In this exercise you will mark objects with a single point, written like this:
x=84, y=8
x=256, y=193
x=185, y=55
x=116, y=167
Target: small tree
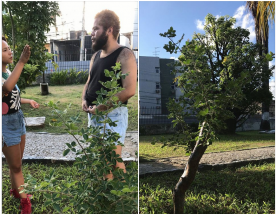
x=219, y=76
x=26, y=23
x=92, y=193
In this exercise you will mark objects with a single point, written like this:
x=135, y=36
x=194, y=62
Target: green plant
x=58, y=77
x=72, y=76
x=222, y=85
x=28, y=75
x=21, y=27
x=82, y=77
x=249, y=189
x=92, y=193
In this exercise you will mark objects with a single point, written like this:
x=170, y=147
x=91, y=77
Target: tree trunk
x=189, y=175
x=43, y=77
x=12, y=24
x=265, y=125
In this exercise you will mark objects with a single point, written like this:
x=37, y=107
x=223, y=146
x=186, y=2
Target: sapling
x=219, y=75
x=93, y=146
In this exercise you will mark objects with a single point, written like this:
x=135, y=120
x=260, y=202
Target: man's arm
x=128, y=65
x=84, y=103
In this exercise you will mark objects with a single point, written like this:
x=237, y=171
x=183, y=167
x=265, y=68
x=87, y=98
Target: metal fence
x=153, y=116
x=78, y=65
x=70, y=61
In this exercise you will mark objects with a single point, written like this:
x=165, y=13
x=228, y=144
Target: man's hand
x=92, y=109
x=84, y=106
x=25, y=55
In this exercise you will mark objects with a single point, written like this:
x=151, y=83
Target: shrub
x=92, y=193
x=58, y=77
x=65, y=77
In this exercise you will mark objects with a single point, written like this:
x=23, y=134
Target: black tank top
x=97, y=74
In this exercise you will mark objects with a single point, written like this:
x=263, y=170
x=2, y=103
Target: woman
x=13, y=126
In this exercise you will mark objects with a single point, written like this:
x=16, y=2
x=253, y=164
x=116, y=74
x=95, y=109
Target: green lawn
x=65, y=95
x=241, y=140
x=38, y=171
x=249, y=189
x=11, y=205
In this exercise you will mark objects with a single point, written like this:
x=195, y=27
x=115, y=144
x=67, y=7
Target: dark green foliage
x=220, y=74
x=29, y=20
x=65, y=77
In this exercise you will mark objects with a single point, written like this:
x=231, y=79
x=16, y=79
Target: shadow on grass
x=247, y=189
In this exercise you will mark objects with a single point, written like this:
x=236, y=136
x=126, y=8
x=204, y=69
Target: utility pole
x=82, y=34
x=155, y=51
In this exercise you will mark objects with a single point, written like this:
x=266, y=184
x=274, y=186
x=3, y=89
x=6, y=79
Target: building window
x=157, y=69
x=157, y=100
x=172, y=86
x=158, y=85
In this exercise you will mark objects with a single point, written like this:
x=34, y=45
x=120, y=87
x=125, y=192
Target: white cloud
x=246, y=21
x=271, y=63
x=239, y=12
x=199, y=24
x=175, y=58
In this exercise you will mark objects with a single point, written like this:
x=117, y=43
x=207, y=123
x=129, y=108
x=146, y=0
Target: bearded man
x=104, y=37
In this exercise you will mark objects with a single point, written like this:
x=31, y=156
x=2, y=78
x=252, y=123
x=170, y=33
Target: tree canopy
x=220, y=73
x=26, y=23
x=217, y=60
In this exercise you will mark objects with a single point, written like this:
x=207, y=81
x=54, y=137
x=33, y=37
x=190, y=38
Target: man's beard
x=100, y=42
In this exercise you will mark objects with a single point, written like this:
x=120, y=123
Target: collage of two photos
x=138, y=107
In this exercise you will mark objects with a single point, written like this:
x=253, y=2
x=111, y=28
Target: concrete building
x=168, y=86
x=65, y=41
x=149, y=85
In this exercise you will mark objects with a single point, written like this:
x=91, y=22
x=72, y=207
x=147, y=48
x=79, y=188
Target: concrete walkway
x=45, y=147
x=49, y=147
x=215, y=161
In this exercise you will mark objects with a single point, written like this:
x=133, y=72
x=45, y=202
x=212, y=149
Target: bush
x=92, y=192
x=65, y=77
x=58, y=77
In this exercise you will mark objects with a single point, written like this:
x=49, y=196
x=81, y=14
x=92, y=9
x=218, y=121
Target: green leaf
x=204, y=112
x=65, y=209
x=66, y=152
x=48, y=202
x=85, y=137
x=56, y=207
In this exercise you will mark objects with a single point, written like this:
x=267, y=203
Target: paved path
x=216, y=160
x=45, y=146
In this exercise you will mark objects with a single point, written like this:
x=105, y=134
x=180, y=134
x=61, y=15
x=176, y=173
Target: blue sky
x=187, y=17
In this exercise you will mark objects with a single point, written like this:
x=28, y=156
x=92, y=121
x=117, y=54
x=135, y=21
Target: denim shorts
x=13, y=127
x=120, y=115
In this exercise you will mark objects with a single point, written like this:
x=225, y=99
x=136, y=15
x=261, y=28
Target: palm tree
x=262, y=12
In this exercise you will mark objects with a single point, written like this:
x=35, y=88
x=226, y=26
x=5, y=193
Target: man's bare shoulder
x=126, y=55
x=94, y=55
